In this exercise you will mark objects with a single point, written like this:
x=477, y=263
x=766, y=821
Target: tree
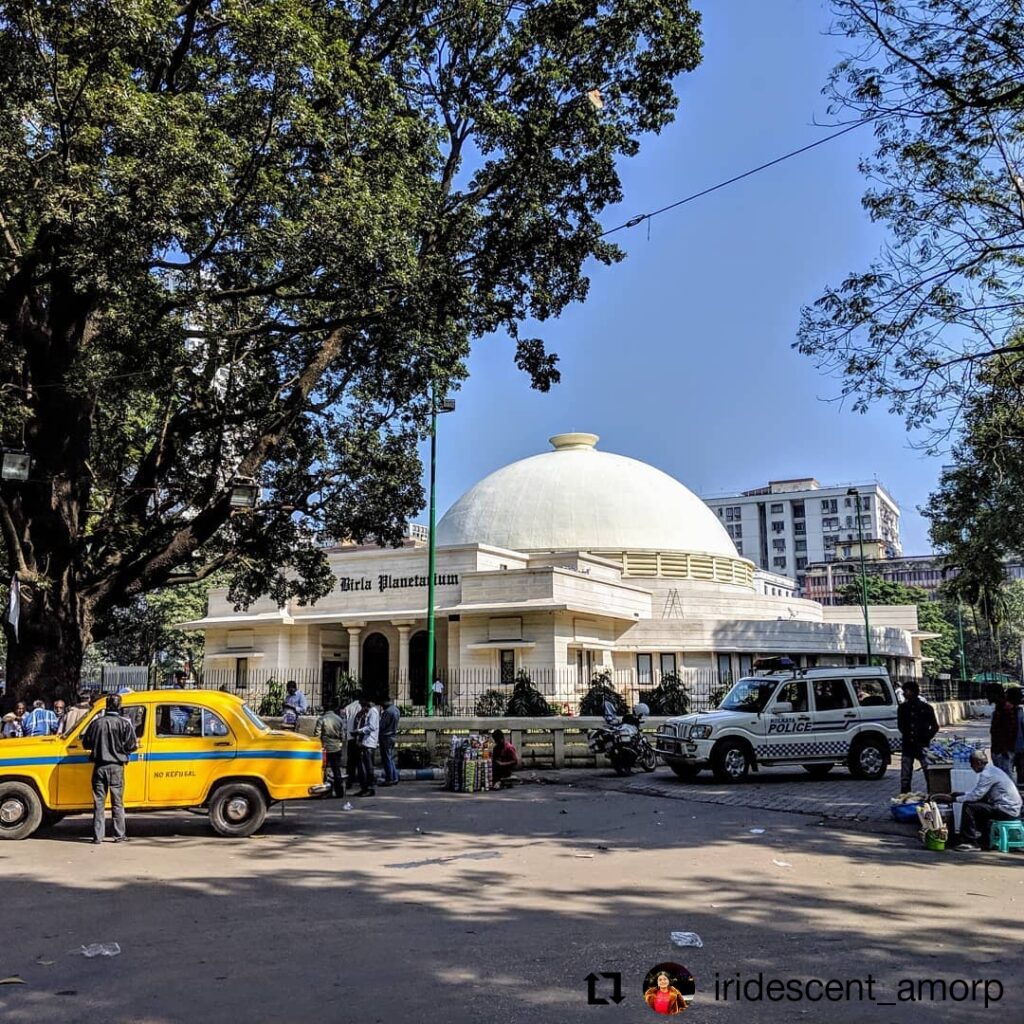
x=930, y=615
x=245, y=240
x=942, y=83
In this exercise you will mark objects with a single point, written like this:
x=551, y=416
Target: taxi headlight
x=700, y=732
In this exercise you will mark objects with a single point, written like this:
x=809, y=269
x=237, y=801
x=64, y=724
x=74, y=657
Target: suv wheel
x=21, y=810
x=868, y=759
x=730, y=761
x=237, y=809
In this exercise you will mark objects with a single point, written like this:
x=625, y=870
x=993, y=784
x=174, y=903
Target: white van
x=815, y=718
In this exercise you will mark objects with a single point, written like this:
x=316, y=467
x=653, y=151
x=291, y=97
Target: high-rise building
x=789, y=524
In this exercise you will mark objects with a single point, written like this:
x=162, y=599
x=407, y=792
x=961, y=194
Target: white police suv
x=815, y=718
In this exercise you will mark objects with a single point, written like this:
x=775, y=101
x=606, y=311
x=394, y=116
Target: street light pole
x=960, y=633
x=863, y=575
x=447, y=405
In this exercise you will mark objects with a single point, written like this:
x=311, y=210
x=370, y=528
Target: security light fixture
x=244, y=492
x=15, y=466
x=446, y=405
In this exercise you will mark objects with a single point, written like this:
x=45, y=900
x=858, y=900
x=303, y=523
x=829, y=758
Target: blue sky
x=681, y=355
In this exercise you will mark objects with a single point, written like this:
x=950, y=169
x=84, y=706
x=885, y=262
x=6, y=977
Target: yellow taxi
x=197, y=748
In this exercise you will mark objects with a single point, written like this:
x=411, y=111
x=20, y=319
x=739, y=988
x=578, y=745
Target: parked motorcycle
x=624, y=744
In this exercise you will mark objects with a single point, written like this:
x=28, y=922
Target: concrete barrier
x=558, y=741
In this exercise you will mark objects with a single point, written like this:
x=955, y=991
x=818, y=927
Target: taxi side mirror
x=782, y=707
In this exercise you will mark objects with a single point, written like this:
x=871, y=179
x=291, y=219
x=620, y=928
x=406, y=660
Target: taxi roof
x=152, y=696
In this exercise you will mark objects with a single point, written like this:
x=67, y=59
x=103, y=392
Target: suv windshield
x=749, y=695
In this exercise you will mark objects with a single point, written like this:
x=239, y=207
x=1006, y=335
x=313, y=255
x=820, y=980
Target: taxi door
x=190, y=744
x=74, y=771
x=788, y=720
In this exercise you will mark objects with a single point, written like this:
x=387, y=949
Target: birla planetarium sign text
x=385, y=581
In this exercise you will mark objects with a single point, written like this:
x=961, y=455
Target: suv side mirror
x=782, y=707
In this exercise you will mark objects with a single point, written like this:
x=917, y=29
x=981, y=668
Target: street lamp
x=442, y=406
x=15, y=465
x=854, y=492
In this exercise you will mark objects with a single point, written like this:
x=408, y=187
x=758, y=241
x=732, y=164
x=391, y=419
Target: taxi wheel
x=21, y=811
x=237, y=809
x=730, y=761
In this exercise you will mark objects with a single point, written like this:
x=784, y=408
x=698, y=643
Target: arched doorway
x=376, y=659
x=418, y=668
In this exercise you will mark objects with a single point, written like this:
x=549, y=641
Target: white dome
x=577, y=498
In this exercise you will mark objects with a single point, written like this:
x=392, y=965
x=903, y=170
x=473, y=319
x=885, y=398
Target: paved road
x=433, y=907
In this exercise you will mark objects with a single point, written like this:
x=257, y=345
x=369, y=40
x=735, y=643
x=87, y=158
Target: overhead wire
x=640, y=218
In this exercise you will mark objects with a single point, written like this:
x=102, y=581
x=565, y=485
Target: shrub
x=601, y=690
x=668, y=698
x=273, y=703
x=717, y=696
x=413, y=757
x=491, y=704
x=526, y=700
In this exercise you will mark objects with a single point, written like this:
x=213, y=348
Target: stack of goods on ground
x=468, y=769
x=952, y=750
x=934, y=833
x=904, y=807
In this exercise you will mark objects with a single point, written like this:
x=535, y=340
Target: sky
x=681, y=356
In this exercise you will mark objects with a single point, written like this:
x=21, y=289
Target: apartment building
x=789, y=524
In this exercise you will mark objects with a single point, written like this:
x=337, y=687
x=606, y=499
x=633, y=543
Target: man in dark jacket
x=917, y=725
x=389, y=719
x=110, y=740
x=1002, y=729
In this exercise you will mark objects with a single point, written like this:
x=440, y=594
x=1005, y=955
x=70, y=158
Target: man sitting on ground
x=504, y=759
x=994, y=798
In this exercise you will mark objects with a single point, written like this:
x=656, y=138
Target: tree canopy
x=942, y=81
x=244, y=240
x=931, y=617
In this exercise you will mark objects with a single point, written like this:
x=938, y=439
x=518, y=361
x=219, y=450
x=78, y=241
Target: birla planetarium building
x=564, y=564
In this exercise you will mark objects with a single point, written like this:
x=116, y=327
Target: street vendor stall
x=468, y=768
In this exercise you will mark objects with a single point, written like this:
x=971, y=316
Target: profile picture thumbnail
x=668, y=988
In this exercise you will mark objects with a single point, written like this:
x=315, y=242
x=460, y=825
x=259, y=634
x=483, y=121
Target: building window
x=746, y=664
x=507, y=661
x=720, y=511
x=776, y=509
x=739, y=547
x=733, y=513
x=830, y=505
x=724, y=669
x=668, y=665
x=800, y=527
x=800, y=545
x=779, y=563
x=778, y=527
x=865, y=502
x=830, y=523
x=779, y=545
x=797, y=509
x=801, y=563
x=643, y=669
x=241, y=673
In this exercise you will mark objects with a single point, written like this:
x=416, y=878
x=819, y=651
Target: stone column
x=402, y=696
x=353, y=651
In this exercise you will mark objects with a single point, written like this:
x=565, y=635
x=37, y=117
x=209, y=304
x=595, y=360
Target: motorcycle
x=624, y=744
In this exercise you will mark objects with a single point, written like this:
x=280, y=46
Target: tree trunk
x=45, y=661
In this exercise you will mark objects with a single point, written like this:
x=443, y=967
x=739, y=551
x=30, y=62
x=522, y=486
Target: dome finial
x=564, y=442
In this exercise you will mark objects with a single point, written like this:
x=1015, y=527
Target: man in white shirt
x=438, y=689
x=367, y=733
x=994, y=798
x=352, y=747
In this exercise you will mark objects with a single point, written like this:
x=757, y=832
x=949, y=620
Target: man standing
x=332, y=732
x=352, y=750
x=110, y=739
x=1003, y=729
x=994, y=798
x=76, y=713
x=60, y=710
x=40, y=721
x=367, y=734
x=918, y=726
x=389, y=719
x=438, y=696
x=294, y=697
x=1013, y=695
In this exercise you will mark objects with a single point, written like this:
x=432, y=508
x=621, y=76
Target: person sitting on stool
x=504, y=759
x=994, y=798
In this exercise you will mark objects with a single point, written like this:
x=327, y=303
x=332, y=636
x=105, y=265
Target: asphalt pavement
x=436, y=907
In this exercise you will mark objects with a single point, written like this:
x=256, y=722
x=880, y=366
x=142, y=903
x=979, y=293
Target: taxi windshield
x=255, y=719
x=749, y=695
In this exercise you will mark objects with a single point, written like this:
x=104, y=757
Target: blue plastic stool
x=1006, y=835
